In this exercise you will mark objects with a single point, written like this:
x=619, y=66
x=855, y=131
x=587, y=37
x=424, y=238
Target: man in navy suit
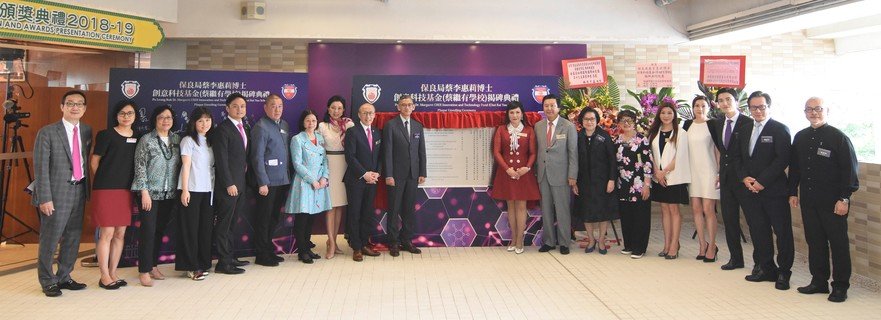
x=362, y=173
x=403, y=151
x=761, y=164
x=61, y=188
x=230, y=143
x=730, y=131
x=269, y=164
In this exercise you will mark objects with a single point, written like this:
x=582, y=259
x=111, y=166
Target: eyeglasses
x=74, y=104
x=626, y=121
x=126, y=114
x=406, y=105
x=164, y=118
x=589, y=119
x=758, y=108
x=817, y=109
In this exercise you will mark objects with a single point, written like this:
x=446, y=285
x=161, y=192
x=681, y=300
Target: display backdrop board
x=456, y=157
x=187, y=89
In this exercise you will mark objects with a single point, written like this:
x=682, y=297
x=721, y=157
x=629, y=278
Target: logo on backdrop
x=289, y=91
x=539, y=92
x=371, y=92
x=130, y=88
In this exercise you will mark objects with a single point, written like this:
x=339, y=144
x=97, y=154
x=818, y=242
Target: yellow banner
x=44, y=21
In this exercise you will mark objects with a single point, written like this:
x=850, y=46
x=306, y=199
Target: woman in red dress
x=514, y=181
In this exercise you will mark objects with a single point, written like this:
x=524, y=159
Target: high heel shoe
x=703, y=255
x=715, y=255
x=591, y=248
x=112, y=286
x=673, y=256
x=662, y=254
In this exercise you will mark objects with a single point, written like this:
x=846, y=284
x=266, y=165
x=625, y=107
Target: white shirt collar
x=235, y=122
x=404, y=119
x=734, y=118
x=555, y=122
x=69, y=126
x=763, y=122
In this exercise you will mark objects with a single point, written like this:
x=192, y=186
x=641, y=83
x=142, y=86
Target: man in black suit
x=730, y=132
x=362, y=173
x=403, y=152
x=230, y=143
x=761, y=167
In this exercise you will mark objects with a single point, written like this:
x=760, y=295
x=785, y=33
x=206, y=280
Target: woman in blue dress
x=308, y=195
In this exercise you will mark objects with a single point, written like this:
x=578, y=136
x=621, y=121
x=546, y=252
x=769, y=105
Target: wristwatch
x=845, y=200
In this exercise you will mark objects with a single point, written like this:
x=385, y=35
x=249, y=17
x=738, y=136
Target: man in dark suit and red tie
x=731, y=127
x=362, y=174
x=230, y=143
x=60, y=191
x=403, y=151
x=761, y=167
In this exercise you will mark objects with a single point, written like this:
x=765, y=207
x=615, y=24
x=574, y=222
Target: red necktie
x=370, y=139
x=242, y=132
x=75, y=156
x=550, y=132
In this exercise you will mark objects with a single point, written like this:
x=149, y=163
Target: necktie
x=550, y=132
x=407, y=125
x=752, y=141
x=370, y=139
x=727, y=137
x=75, y=156
x=242, y=132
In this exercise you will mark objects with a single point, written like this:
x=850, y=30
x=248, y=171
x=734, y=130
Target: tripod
x=6, y=167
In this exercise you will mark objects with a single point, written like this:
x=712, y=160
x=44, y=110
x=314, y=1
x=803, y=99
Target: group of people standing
x=738, y=160
x=199, y=179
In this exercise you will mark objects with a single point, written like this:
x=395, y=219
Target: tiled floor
x=447, y=283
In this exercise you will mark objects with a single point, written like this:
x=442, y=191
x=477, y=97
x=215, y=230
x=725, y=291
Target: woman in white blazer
x=672, y=173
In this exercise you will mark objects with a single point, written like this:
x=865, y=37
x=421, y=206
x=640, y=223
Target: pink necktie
x=242, y=132
x=75, y=156
x=370, y=139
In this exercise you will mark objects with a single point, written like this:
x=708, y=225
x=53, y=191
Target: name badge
x=601, y=138
x=767, y=139
x=561, y=136
x=824, y=152
x=416, y=136
x=272, y=162
x=131, y=140
x=522, y=135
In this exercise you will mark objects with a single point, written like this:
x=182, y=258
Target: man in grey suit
x=269, y=154
x=403, y=148
x=557, y=171
x=60, y=191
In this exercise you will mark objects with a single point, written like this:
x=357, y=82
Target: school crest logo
x=371, y=92
x=539, y=92
x=289, y=91
x=130, y=88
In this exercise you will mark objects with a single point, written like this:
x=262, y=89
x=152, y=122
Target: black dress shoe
x=411, y=249
x=838, y=295
x=564, y=250
x=277, y=258
x=314, y=255
x=112, y=286
x=761, y=276
x=394, y=251
x=782, y=282
x=229, y=270
x=731, y=265
x=546, y=248
x=813, y=288
x=305, y=258
x=71, y=285
x=122, y=282
x=266, y=262
x=240, y=263
x=52, y=290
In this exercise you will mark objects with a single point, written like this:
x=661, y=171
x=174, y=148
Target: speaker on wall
x=253, y=10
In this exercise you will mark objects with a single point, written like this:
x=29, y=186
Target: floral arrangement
x=710, y=93
x=605, y=99
x=649, y=102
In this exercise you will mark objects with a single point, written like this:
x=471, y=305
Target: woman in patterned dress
x=634, y=158
x=308, y=195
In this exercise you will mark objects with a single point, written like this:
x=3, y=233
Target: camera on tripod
x=13, y=112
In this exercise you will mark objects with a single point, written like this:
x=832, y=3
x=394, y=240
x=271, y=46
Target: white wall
x=434, y=20
x=161, y=10
x=172, y=54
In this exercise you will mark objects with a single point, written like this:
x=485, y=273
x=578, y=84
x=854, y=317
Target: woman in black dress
x=595, y=188
x=672, y=173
